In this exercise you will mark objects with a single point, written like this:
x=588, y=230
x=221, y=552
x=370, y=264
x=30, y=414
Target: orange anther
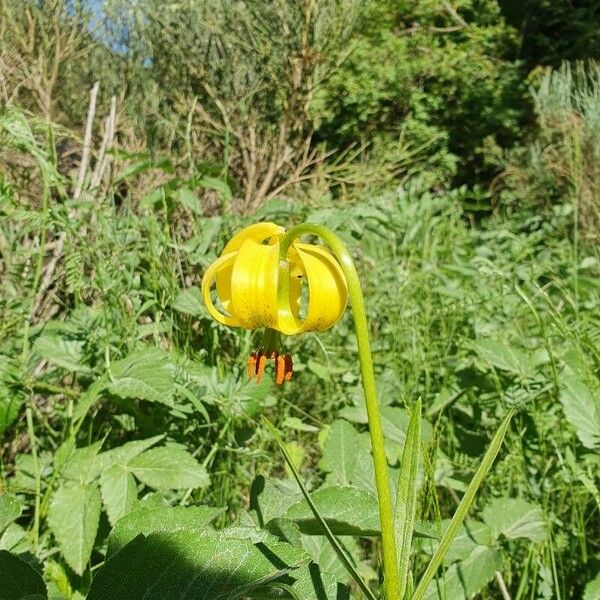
x=252, y=365
x=279, y=369
x=261, y=363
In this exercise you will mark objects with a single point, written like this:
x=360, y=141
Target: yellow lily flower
x=258, y=288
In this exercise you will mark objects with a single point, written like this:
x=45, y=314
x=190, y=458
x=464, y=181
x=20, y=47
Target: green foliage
x=452, y=88
x=133, y=459
x=554, y=31
x=20, y=581
x=562, y=159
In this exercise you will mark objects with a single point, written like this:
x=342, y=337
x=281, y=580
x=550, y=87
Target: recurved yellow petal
x=254, y=284
x=221, y=264
x=327, y=288
x=258, y=232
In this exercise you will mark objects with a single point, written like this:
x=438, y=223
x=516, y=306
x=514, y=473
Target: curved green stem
x=386, y=513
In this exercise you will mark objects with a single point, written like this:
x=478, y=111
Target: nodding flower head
x=257, y=287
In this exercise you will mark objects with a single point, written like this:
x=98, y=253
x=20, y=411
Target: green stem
x=386, y=512
x=38, y=482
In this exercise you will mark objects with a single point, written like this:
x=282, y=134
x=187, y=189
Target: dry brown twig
x=102, y=164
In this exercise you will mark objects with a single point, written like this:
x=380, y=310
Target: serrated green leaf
x=73, y=517
x=592, y=589
x=19, y=580
x=325, y=556
x=271, y=498
x=10, y=510
x=119, y=492
x=189, y=199
x=189, y=302
x=11, y=401
x=169, y=468
x=347, y=511
x=312, y=582
x=88, y=399
x=189, y=566
x=15, y=539
x=515, y=518
x=64, y=353
x=146, y=374
x=166, y=518
x=582, y=408
x=347, y=457
x=123, y=455
x=466, y=578
x=341, y=452
x=470, y=535
x=502, y=355
x=79, y=464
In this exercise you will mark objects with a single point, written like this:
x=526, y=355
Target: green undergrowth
x=133, y=453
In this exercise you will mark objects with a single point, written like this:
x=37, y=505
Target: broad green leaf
x=271, y=498
x=15, y=539
x=190, y=566
x=466, y=578
x=189, y=199
x=325, y=556
x=145, y=374
x=470, y=535
x=320, y=518
x=10, y=510
x=312, y=582
x=64, y=353
x=463, y=508
x=59, y=586
x=123, y=455
x=11, y=401
x=284, y=530
x=515, y=518
x=147, y=521
x=394, y=421
x=88, y=399
x=406, y=501
x=27, y=469
x=347, y=511
x=169, y=468
x=19, y=580
x=119, y=492
x=79, y=464
x=582, y=408
x=189, y=302
x=297, y=454
x=502, y=355
x=73, y=517
x=340, y=452
x=592, y=589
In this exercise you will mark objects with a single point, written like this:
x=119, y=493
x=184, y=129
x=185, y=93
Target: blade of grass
x=326, y=530
x=406, y=500
x=463, y=508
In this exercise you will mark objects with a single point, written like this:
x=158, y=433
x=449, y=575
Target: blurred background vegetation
x=454, y=144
